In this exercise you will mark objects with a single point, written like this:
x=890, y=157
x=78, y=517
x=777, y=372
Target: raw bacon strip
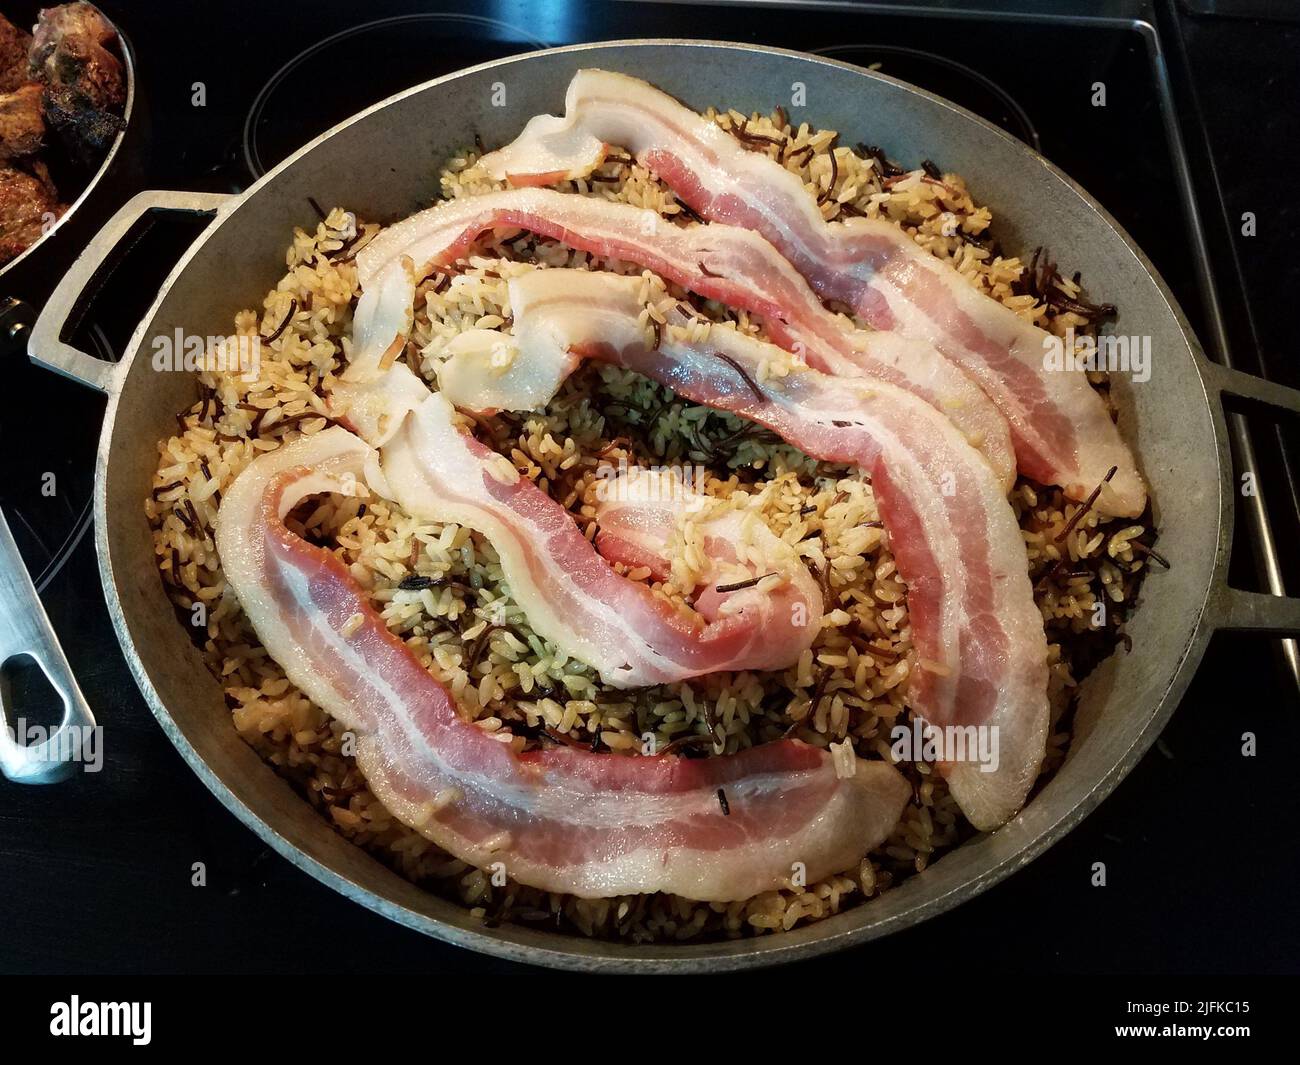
x=560, y=819
x=571, y=596
x=1062, y=431
x=732, y=265
x=981, y=650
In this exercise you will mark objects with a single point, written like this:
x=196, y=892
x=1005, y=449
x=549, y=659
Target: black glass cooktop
x=118, y=846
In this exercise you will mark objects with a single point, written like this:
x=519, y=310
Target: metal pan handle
x=24, y=626
x=1235, y=609
x=25, y=630
x=45, y=344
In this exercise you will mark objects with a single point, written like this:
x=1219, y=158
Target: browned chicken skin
x=84, y=84
x=14, y=44
x=28, y=206
x=22, y=129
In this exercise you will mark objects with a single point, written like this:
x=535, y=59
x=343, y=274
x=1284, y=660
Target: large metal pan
x=382, y=164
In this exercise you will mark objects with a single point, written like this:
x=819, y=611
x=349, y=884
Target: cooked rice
x=441, y=587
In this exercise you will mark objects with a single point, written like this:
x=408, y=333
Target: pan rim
x=574, y=952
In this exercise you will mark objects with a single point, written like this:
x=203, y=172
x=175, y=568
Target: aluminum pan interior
x=383, y=164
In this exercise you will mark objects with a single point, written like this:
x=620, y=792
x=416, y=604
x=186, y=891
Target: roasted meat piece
x=22, y=128
x=13, y=56
x=84, y=84
x=28, y=204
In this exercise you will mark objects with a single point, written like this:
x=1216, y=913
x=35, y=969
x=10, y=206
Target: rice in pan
x=441, y=588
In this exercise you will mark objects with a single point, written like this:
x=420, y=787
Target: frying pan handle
x=25, y=630
x=1271, y=615
x=1237, y=610
x=1239, y=385
x=45, y=345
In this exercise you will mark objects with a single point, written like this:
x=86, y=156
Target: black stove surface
x=1194, y=824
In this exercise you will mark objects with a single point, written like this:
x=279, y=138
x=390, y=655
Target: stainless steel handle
x=25, y=630
x=1248, y=386
x=1272, y=614
x=24, y=626
x=46, y=345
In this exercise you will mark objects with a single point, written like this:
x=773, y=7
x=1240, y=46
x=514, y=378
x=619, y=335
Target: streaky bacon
x=559, y=819
x=1062, y=431
x=981, y=652
x=726, y=263
x=631, y=635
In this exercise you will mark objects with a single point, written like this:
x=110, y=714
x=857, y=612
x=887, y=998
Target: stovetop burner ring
x=478, y=26
x=1014, y=118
